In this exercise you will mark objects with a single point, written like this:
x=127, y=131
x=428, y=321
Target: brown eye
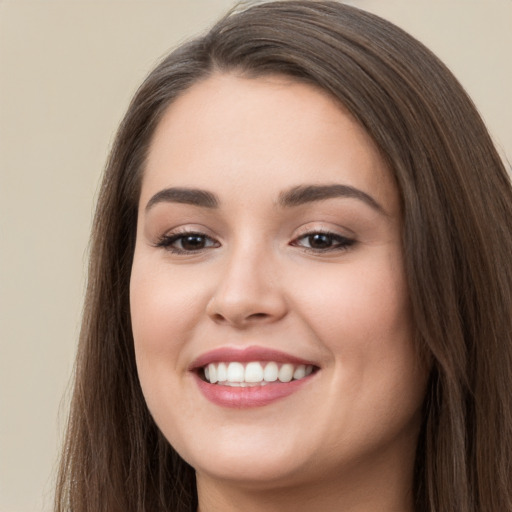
x=186, y=243
x=320, y=241
x=323, y=242
x=192, y=242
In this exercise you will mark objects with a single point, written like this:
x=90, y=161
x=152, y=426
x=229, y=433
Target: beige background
x=67, y=71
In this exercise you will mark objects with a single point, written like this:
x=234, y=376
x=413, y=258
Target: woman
x=300, y=288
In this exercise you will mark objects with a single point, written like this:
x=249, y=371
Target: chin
x=255, y=473
x=255, y=460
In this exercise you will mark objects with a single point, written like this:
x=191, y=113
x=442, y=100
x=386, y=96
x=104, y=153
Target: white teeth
x=212, y=369
x=300, y=372
x=286, y=373
x=222, y=372
x=271, y=372
x=236, y=374
x=243, y=384
x=253, y=372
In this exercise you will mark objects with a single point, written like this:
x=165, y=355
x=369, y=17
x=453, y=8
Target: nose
x=248, y=291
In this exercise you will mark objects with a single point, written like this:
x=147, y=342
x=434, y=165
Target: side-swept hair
x=457, y=243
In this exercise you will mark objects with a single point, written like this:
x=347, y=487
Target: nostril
x=257, y=316
x=243, y=309
x=240, y=319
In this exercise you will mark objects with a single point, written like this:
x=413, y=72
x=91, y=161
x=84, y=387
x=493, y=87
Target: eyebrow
x=296, y=196
x=192, y=196
x=303, y=194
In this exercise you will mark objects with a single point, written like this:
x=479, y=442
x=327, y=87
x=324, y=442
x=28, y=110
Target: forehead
x=231, y=131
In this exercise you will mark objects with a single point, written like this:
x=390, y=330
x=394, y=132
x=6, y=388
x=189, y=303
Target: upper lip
x=246, y=355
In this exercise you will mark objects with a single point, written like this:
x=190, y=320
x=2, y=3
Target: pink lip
x=254, y=396
x=245, y=355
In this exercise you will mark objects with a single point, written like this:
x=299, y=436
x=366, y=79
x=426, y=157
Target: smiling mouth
x=253, y=373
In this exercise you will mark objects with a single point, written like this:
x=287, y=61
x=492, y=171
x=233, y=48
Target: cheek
x=164, y=311
x=356, y=304
x=362, y=315
x=163, y=305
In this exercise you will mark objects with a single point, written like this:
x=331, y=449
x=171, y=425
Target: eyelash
x=167, y=242
x=341, y=243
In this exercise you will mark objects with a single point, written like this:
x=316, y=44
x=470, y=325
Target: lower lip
x=254, y=396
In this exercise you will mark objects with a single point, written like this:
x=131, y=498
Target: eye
x=322, y=242
x=186, y=243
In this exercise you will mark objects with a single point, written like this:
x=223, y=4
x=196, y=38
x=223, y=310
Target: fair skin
x=316, y=275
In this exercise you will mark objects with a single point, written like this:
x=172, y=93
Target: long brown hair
x=457, y=243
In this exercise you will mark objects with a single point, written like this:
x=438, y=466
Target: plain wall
x=67, y=72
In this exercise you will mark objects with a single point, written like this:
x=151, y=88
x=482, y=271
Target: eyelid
x=343, y=242
x=187, y=229
x=167, y=240
x=324, y=227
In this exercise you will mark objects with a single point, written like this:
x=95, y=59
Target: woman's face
x=268, y=247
